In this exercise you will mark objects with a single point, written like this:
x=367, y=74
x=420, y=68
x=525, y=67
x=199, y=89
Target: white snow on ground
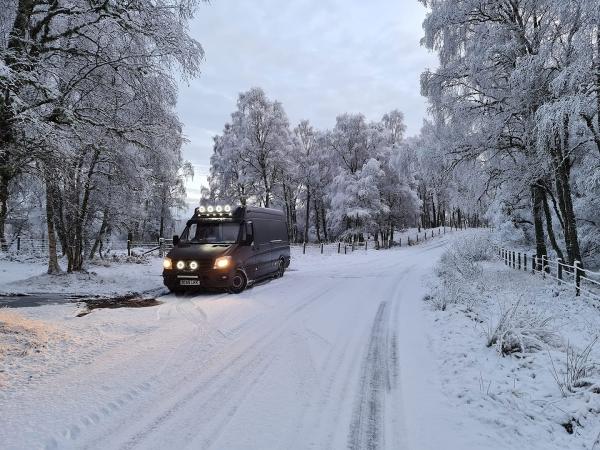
x=515, y=398
x=112, y=277
x=334, y=355
x=16, y=270
x=341, y=353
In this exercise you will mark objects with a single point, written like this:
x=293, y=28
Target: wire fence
x=585, y=283
x=404, y=239
x=39, y=247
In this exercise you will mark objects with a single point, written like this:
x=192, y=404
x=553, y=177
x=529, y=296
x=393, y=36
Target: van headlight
x=222, y=262
x=167, y=264
x=180, y=265
x=193, y=265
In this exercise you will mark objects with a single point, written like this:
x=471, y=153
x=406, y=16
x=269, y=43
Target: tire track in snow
x=238, y=364
x=367, y=428
x=186, y=354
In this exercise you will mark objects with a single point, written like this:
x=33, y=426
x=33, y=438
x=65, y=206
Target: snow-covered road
x=334, y=355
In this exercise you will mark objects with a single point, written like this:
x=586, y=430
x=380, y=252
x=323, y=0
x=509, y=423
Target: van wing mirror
x=175, y=239
x=249, y=233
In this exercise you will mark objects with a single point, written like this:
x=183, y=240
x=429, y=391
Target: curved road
x=333, y=355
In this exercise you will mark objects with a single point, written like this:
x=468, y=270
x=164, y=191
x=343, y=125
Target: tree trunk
x=9, y=167
x=550, y=229
x=434, y=224
x=538, y=221
x=79, y=210
x=317, y=220
x=324, y=221
x=562, y=174
x=53, y=267
x=98, y=242
x=307, y=218
x=4, y=182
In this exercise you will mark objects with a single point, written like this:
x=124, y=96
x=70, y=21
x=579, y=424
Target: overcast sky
x=319, y=58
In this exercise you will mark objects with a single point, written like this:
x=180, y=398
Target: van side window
x=261, y=231
x=278, y=232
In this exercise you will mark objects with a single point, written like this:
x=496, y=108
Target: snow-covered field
x=343, y=352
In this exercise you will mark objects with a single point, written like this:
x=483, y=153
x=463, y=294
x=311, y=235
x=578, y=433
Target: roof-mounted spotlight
x=227, y=208
x=219, y=208
x=210, y=209
x=201, y=209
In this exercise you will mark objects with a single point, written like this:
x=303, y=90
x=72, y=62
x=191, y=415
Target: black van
x=228, y=248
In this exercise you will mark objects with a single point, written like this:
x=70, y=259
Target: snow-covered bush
x=448, y=293
x=519, y=329
x=460, y=271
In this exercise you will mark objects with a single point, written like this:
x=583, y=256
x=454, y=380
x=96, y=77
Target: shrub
x=460, y=272
x=521, y=330
x=578, y=368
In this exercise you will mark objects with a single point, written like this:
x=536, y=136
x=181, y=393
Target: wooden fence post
x=417, y=237
x=534, y=263
x=161, y=247
x=559, y=267
x=129, y=243
x=304, y=248
x=525, y=261
x=321, y=248
x=18, y=244
x=345, y=249
x=400, y=242
x=366, y=244
x=544, y=266
x=519, y=260
x=577, y=278
x=339, y=247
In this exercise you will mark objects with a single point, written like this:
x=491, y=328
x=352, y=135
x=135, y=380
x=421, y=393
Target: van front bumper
x=210, y=279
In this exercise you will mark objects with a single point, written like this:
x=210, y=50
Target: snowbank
x=516, y=352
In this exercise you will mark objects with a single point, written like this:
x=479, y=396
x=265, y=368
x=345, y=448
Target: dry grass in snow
x=21, y=337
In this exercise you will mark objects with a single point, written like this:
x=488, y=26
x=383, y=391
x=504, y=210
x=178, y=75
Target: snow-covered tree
x=516, y=94
x=86, y=87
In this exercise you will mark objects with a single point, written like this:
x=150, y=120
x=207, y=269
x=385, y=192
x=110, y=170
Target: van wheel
x=280, y=268
x=238, y=282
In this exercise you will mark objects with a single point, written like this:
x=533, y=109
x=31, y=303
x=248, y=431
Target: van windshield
x=211, y=233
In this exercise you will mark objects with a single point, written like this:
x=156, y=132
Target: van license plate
x=189, y=282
